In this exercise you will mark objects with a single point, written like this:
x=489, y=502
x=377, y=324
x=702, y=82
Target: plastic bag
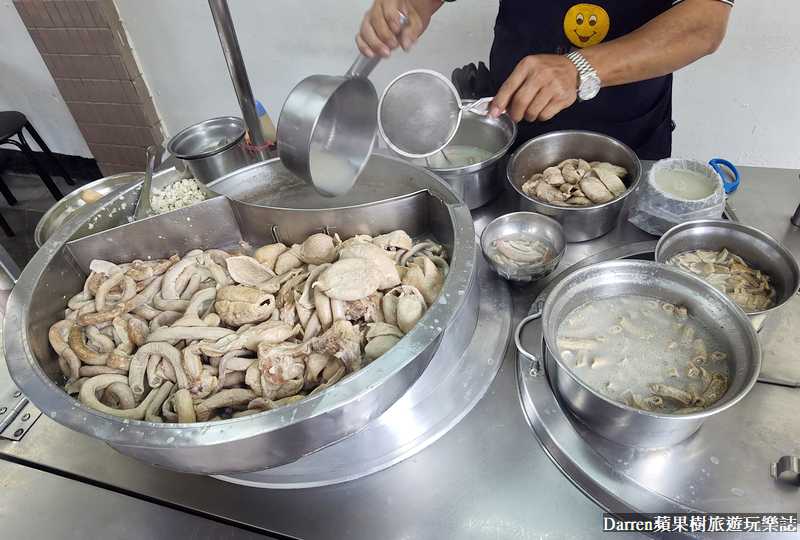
x=657, y=211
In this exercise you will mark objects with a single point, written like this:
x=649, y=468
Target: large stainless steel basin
x=422, y=205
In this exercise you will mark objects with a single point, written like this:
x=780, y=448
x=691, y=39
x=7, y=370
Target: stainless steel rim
x=191, y=130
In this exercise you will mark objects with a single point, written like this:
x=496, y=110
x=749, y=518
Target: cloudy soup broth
x=332, y=173
x=687, y=185
x=620, y=345
x=458, y=156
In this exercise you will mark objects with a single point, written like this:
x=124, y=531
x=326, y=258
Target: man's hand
x=542, y=85
x=539, y=87
x=380, y=31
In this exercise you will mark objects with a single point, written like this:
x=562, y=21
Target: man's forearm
x=429, y=6
x=674, y=39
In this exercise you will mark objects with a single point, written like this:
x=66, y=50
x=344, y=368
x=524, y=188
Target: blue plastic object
x=260, y=108
x=729, y=186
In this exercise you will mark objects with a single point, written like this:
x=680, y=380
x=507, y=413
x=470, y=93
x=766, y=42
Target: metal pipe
x=795, y=219
x=241, y=84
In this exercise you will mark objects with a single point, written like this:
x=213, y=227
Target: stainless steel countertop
x=488, y=477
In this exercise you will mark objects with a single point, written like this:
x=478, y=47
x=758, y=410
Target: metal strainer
x=419, y=113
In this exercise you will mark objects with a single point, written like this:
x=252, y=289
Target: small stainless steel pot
x=328, y=124
x=211, y=148
x=477, y=183
x=755, y=247
x=581, y=222
x=613, y=420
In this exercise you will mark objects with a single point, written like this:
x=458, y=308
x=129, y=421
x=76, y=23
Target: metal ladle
x=326, y=128
x=144, y=208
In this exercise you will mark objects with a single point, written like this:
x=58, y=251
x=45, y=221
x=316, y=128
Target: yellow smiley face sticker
x=586, y=25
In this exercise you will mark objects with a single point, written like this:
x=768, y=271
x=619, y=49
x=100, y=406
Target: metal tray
x=71, y=204
x=118, y=193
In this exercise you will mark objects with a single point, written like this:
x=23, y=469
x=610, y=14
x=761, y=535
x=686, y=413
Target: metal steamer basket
x=426, y=208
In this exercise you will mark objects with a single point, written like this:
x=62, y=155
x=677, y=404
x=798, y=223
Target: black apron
x=638, y=114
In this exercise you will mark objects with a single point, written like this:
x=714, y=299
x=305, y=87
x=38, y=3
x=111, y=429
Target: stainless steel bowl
x=580, y=223
x=211, y=148
x=755, y=247
x=530, y=223
x=613, y=420
x=476, y=183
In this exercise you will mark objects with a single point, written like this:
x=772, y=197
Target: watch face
x=590, y=86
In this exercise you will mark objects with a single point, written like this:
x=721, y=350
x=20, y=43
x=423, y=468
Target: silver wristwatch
x=589, y=82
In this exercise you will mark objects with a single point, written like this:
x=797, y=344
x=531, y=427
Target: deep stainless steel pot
x=754, y=246
x=618, y=422
x=580, y=223
x=212, y=148
x=272, y=438
x=477, y=183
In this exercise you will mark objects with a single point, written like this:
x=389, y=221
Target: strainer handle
x=481, y=106
x=363, y=66
x=537, y=366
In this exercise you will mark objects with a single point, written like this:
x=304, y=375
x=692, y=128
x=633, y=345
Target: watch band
x=584, y=68
x=588, y=81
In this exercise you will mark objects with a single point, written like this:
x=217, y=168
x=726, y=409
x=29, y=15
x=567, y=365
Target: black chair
x=5, y=226
x=11, y=124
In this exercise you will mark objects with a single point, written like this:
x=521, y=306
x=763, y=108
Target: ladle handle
x=363, y=66
x=151, y=161
x=144, y=207
x=481, y=106
x=537, y=365
x=148, y=175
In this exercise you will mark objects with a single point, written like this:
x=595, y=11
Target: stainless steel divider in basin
x=271, y=438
